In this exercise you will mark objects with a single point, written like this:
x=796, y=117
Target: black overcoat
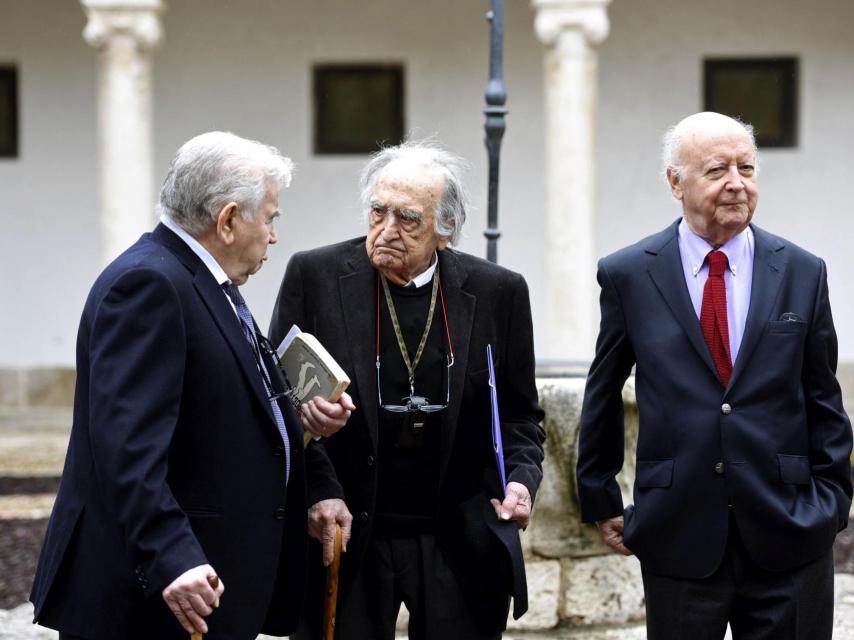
x=331, y=293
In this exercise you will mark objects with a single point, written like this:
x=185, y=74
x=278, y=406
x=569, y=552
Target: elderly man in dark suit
x=185, y=468
x=410, y=320
x=743, y=475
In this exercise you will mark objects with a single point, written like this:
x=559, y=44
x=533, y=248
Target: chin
x=383, y=260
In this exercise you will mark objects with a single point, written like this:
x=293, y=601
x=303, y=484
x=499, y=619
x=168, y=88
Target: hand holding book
x=317, y=384
x=321, y=418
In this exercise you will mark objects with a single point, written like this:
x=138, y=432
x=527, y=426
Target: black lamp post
x=496, y=96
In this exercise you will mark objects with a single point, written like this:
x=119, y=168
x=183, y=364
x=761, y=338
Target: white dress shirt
x=204, y=255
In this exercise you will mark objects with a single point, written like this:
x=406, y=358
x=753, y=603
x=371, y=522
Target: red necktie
x=713, y=318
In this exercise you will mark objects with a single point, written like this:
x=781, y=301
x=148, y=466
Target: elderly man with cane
x=410, y=319
x=184, y=473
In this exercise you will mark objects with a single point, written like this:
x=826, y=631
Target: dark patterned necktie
x=713, y=315
x=248, y=326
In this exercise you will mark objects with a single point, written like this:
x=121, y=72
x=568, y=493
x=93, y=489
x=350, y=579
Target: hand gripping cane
x=213, y=581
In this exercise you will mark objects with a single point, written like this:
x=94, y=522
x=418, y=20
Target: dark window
x=357, y=107
x=8, y=112
x=760, y=91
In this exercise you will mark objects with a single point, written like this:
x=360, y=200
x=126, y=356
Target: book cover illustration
x=310, y=369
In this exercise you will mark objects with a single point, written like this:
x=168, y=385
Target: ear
x=225, y=223
x=673, y=181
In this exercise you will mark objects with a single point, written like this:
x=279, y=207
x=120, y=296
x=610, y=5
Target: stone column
x=570, y=31
x=125, y=32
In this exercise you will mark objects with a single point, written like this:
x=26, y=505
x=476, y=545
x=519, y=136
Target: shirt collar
x=695, y=248
x=205, y=256
x=423, y=278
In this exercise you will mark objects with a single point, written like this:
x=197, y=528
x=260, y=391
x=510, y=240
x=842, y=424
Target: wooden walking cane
x=213, y=581
x=332, y=588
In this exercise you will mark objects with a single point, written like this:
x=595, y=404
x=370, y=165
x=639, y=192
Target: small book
x=309, y=368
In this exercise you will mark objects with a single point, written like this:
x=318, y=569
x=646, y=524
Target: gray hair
x=451, y=209
x=216, y=168
x=671, y=147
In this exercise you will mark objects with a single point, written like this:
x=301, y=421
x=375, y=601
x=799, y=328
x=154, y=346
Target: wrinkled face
x=248, y=250
x=401, y=224
x=718, y=188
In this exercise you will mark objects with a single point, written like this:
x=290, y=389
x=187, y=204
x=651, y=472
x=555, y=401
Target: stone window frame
x=324, y=73
x=783, y=71
x=9, y=149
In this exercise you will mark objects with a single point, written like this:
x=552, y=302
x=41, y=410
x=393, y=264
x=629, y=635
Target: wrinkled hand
x=612, y=534
x=190, y=597
x=322, y=518
x=322, y=418
x=516, y=505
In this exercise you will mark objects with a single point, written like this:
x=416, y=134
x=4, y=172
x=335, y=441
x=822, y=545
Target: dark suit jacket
x=331, y=293
x=174, y=461
x=779, y=429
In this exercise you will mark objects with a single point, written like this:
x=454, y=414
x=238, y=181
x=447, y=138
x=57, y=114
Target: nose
x=390, y=226
x=273, y=238
x=734, y=181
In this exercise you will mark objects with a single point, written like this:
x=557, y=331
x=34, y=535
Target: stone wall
x=37, y=388
x=573, y=578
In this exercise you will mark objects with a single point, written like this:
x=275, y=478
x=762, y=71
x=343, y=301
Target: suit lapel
x=665, y=268
x=769, y=263
x=460, y=307
x=215, y=300
x=357, y=292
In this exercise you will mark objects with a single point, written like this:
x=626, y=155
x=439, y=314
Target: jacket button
x=726, y=408
x=370, y=461
x=280, y=513
x=363, y=516
x=719, y=468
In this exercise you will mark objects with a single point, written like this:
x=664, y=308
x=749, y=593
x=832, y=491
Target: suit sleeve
x=829, y=428
x=290, y=309
x=138, y=344
x=601, y=446
x=521, y=415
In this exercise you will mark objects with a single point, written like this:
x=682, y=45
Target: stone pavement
x=16, y=624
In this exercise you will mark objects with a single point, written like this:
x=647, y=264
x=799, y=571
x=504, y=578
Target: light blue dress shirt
x=738, y=278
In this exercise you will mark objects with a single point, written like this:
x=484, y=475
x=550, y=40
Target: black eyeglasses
x=267, y=347
x=418, y=403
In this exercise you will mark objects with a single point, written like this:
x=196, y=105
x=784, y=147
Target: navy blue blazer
x=773, y=446
x=174, y=461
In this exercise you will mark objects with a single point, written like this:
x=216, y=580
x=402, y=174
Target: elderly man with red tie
x=743, y=473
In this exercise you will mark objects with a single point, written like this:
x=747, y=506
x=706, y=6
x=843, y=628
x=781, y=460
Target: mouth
x=738, y=206
x=388, y=249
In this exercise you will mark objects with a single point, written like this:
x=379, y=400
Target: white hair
x=427, y=154
x=671, y=147
x=216, y=168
